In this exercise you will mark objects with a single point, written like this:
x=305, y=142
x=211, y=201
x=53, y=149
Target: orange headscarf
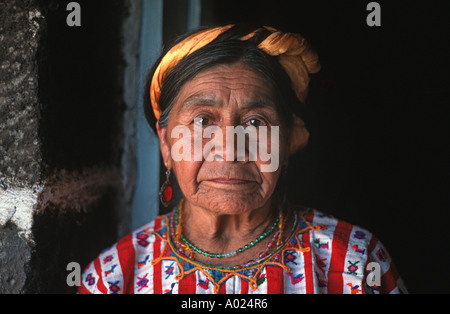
x=294, y=54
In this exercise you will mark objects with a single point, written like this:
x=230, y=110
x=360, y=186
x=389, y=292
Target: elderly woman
x=234, y=231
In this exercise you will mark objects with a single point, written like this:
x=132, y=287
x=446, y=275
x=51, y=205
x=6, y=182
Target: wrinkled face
x=214, y=170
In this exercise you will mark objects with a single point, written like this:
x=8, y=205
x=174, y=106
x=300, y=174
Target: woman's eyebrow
x=199, y=100
x=259, y=103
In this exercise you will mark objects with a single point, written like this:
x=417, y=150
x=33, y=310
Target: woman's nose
x=238, y=144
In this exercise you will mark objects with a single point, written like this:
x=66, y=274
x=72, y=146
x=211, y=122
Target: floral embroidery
x=352, y=268
x=146, y=261
x=354, y=289
x=381, y=254
x=142, y=282
x=252, y=273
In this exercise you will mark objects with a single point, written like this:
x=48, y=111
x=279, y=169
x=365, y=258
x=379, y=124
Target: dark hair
x=226, y=49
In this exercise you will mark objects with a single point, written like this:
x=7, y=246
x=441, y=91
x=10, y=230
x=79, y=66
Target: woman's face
x=207, y=167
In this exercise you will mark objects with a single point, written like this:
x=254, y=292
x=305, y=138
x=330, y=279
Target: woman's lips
x=230, y=184
x=230, y=181
x=228, y=176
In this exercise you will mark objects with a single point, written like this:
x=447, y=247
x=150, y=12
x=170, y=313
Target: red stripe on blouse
x=223, y=288
x=100, y=285
x=188, y=285
x=275, y=280
x=389, y=280
x=83, y=290
x=307, y=256
x=244, y=286
x=372, y=244
x=126, y=254
x=337, y=261
x=157, y=272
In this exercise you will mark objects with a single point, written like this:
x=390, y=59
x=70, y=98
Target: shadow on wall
x=82, y=207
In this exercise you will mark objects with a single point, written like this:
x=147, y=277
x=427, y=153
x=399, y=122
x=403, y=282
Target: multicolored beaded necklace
x=185, y=244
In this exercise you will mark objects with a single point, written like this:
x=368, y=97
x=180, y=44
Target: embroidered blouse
x=322, y=255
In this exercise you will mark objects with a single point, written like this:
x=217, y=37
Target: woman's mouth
x=230, y=184
x=228, y=177
x=230, y=181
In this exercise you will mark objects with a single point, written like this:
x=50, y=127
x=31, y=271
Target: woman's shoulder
x=328, y=226
x=112, y=269
x=349, y=249
x=331, y=236
x=141, y=240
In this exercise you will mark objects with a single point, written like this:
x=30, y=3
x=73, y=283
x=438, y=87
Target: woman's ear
x=164, y=145
x=299, y=136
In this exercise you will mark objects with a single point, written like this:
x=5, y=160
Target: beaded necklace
x=193, y=250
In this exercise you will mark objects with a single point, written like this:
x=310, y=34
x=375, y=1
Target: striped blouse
x=322, y=255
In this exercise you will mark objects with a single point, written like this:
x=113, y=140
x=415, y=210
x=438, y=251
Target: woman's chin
x=230, y=202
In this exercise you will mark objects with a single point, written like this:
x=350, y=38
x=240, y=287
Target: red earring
x=166, y=192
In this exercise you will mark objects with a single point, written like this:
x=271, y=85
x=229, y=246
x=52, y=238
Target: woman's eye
x=202, y=121
x=256, y=122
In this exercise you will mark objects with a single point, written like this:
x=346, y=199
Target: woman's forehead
x=213, y=100
x=223, y=84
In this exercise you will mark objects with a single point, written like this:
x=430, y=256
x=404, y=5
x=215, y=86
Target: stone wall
x=20, y=154
x=67, y=102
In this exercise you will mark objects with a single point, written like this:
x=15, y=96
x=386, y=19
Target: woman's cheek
x=186, y=173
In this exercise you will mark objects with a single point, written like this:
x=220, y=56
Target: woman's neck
x=219, y=233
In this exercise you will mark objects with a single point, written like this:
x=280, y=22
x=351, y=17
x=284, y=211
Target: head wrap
x=294, y=53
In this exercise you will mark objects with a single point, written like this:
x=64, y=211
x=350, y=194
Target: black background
x=378, y=153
